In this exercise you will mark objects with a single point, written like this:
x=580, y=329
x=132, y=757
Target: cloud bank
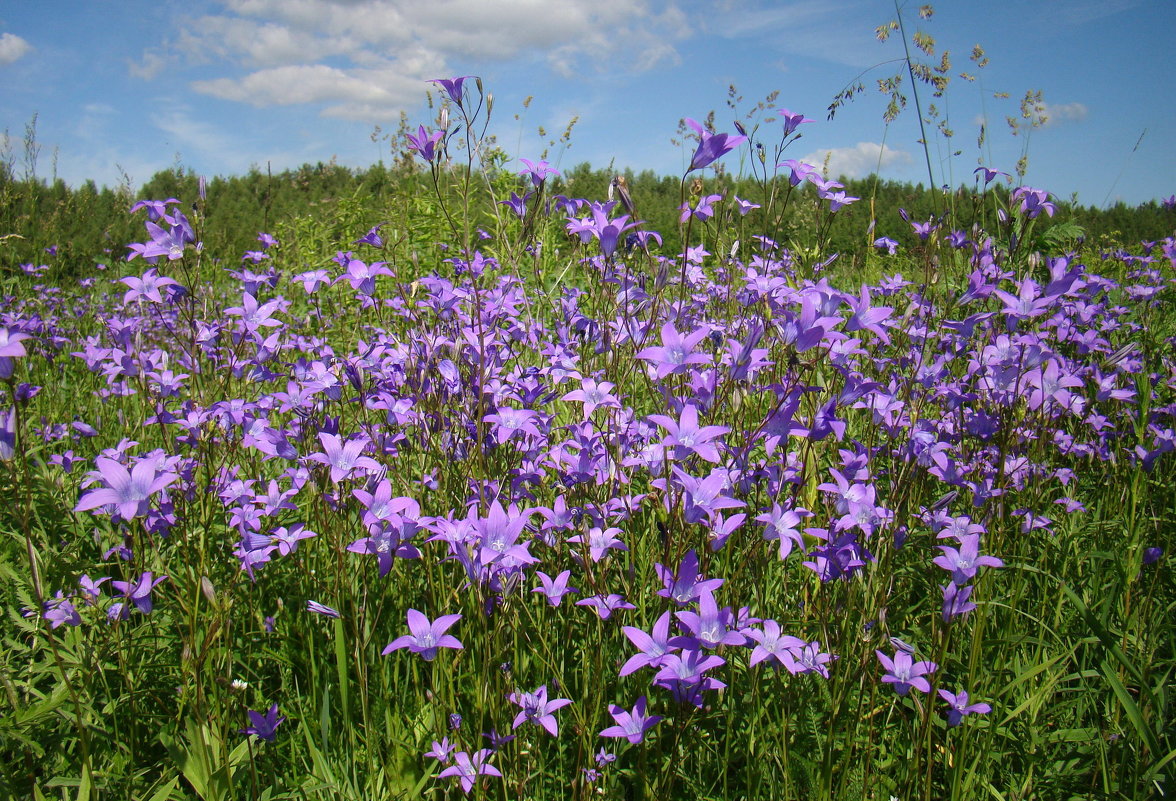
x=366, y=59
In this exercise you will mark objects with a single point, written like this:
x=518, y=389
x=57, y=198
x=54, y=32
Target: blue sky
x=218, y=86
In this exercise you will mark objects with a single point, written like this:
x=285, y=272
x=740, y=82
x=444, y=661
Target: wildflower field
x=508, y=500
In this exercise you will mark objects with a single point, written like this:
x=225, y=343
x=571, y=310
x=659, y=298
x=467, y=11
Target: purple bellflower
x=264, y=725
x=653, y=645
x=554, y=588
x=703, y=211
x=468, y=767
x=631, y=725
x=676, y=353
x=344, y=458
x=137, y=592
x=958, y=707
x=605, y=605
x=711, y=146
x=537, y=709
x=538, y=172
x=452, y=87
x=709, y=625
x=685, y=586
x=771, y=645
x=129, y=491
x=686, y=437
x=1033, y=201
x=426, y=636
x=963, y=562
x=440, y=750
x=149, y=287
x=904, y=673
x=791, y=121
x=424, y=144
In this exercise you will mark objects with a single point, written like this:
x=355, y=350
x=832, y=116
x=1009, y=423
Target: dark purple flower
x=372, y=237
x=155, y=208
x=497, y=741
x=137, y=592
x=711, y=146
x=959, y=707
x=989, y=173
x=686, y=585
x=424, y=144
x=799, y=171
x=452, y=87
x=538, y=172
x=264, y=726
x=790, y=120
x=517, y=203
x=956, y=601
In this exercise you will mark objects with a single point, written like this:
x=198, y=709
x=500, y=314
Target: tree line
x=76, y=227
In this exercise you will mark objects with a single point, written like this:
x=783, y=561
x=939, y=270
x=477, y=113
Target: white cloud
x=290, y=85
x=366, y=59
x=151, y=65
x=1060, y=113
x=13, y=48
x=857, y=161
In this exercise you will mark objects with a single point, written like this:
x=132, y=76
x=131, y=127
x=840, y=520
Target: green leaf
x=164, y=793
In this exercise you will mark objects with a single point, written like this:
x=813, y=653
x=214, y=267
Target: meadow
x=491, y=493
